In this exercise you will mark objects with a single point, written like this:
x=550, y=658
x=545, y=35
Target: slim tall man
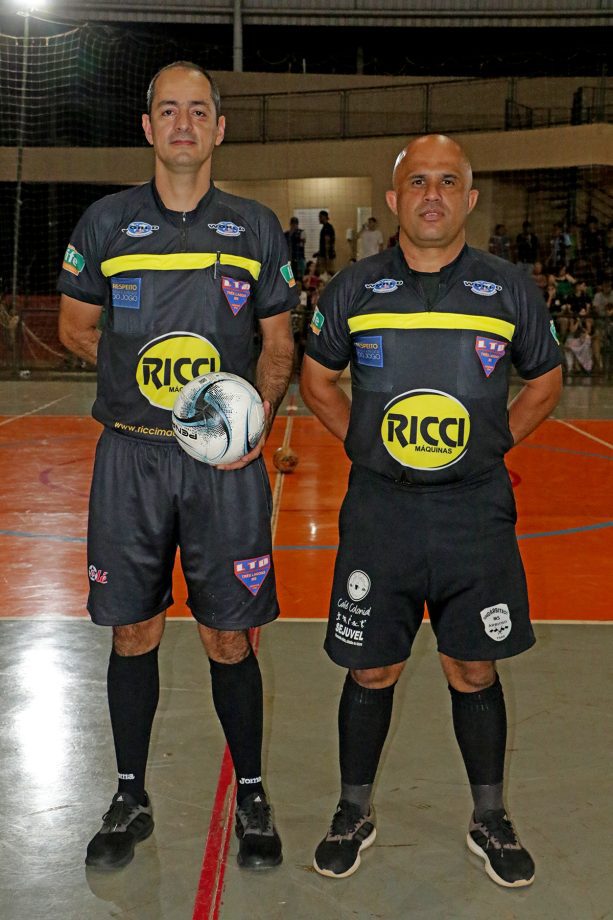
x=184, y=273
x=431, y=329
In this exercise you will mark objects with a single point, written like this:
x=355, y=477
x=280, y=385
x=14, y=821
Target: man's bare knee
x=138, y=638
x=225, y=646
x=468, y=676
x=377, y=678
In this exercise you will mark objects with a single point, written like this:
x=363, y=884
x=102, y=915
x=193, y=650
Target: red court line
x=215, y=860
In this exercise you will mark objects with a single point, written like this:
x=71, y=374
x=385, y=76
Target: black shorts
x=453, y=548
x=148, y=499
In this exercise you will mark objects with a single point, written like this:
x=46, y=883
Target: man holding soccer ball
x=185, y=275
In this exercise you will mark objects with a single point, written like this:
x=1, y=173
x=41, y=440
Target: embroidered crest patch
x=252, y=572
x=236, y=292
x=490, y=351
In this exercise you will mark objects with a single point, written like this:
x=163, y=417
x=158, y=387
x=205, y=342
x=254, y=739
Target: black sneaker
x=259, y=843
x=495, y=841
x=338, y=854
x=123, y=826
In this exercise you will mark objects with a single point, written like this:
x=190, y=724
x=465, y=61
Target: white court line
x=586, y=434
x=15, y=418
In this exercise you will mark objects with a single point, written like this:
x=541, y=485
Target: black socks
x=133, y=686
x=480, y=724
x=363, y=721
x=238, y=701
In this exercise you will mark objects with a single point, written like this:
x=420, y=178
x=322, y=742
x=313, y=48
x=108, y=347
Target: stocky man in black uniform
x=185, y=274
x=430, y=329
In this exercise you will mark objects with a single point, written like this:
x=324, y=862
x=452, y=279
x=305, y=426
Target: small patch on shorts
x=497, y=621
x=252, y=572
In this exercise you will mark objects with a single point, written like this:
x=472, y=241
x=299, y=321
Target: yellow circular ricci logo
x=166, y=364
x=425, y=429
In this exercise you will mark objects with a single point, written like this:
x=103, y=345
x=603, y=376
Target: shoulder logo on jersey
x=554, y=331
x=384, y=286
x=252, y=572
x=125, y=292
x=167, y=363
x=287, y=273
x=369, y=350
x=139, y=228
x=484, y=288
x=425, y=429
x=317, y=322
x=490, y=352
x=226, y=228
x=73, y=260
x=497, y=621
x=237, y=292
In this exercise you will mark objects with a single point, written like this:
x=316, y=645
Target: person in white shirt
x=371, y=240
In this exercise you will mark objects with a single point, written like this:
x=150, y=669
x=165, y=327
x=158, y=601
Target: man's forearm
x=532, y=405
x=272, y=375
x=84, y=344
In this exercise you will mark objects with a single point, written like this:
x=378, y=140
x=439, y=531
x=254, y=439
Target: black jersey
x=182, y=293
x=430, y=377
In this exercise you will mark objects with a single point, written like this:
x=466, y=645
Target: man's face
x=183, y=126
x=322, y=218
x=432, y=196
x=372, y=223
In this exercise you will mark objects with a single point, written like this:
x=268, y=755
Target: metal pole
x=238, y=36
x=19, y=169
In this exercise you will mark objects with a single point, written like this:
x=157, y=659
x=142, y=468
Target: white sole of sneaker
x=476, y=849
x=365, y=844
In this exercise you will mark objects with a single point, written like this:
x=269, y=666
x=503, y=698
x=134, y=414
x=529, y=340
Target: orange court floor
x=562, y=475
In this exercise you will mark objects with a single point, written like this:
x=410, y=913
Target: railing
x=446, y=106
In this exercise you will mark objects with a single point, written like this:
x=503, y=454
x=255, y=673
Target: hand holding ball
x=218, y=418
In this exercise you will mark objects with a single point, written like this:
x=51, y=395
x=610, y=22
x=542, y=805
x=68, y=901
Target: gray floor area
x=56, y=783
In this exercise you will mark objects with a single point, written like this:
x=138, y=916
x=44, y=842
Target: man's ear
x=473, y=197
x=392, y=201
x=221, y=130
x=146, y=122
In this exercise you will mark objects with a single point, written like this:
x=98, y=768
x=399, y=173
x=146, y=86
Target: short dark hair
x=187, y=65
x=294, y=220
x=323, y=214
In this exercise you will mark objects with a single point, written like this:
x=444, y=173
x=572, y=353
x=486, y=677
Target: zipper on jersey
x=217, y=262
x=184, y=232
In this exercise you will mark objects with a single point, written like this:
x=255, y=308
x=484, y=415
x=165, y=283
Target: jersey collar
x=177, y=218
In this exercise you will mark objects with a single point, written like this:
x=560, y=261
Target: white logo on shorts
x=358, y=585
x=497, y=621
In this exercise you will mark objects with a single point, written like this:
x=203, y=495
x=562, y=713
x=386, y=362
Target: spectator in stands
x=296, y=240
x=593, y=246
x=564, y=281
x=370, y=239
x=527, y=247
x=538, y=276
x=578, y=346
x=312, y=280
x=393, y=240
x=603, y=299
x=327, y=245
x=559, y=243
x=500, y=242
x=579, y=297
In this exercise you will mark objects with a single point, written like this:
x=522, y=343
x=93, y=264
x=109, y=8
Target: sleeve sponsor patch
x=317, y=321
x=73, y=260
x=288, y=275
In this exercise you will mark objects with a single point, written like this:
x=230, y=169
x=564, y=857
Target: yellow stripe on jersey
x=431, y=320
x=177, y=261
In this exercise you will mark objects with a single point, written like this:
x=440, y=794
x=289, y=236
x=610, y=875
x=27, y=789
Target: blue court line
x=566, y=450
x=58, y=538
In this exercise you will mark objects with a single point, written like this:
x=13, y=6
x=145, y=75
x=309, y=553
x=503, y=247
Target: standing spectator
x=558, y=243
x=593, y=246
x=527, y=246
x=197, y=308
x=370, y=239
x=393, y=240
x=500, y=243
x=327, y=245
x=296, y=239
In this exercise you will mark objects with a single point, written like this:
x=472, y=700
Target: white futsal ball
x=218, y=418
